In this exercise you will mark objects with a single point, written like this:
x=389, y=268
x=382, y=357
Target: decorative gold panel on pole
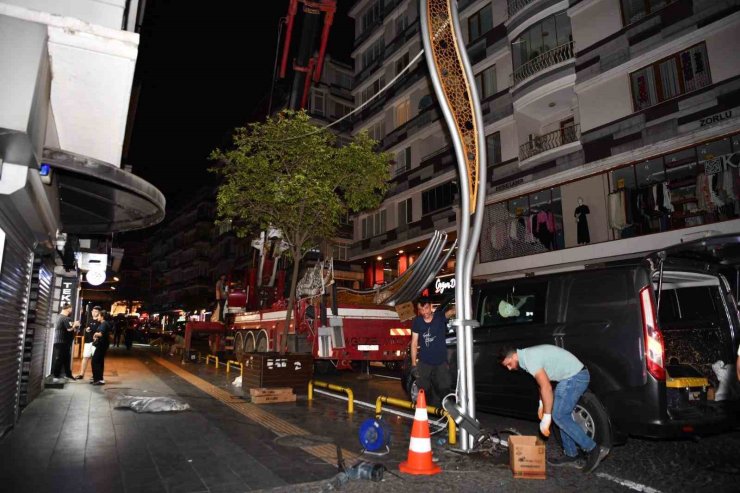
x=451, y=74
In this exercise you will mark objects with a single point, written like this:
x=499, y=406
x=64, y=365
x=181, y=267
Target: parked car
x=609, y=318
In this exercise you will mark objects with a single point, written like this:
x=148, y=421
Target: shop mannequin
x=580, y=213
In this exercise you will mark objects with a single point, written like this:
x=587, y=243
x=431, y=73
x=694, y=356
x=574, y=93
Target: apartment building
x=611, y=128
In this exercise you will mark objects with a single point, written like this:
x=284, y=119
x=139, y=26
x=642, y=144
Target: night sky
x=204, y=69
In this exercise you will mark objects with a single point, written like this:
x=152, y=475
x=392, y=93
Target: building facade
x=611, y=129
x=66, y=70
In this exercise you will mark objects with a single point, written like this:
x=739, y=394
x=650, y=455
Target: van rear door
x=697, y=312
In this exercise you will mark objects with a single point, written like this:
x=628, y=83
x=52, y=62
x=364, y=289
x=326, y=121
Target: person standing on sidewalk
x=64, y=336
x=548, y=363
x=432, y=371
x=101, y=341
x=88, y=349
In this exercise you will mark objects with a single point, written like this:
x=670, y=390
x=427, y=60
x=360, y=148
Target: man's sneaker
x=565, y=460
x=594, y=457
x=99, y=382
x=58, y=380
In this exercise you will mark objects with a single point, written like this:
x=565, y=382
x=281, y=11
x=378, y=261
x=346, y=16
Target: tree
x=287, y=173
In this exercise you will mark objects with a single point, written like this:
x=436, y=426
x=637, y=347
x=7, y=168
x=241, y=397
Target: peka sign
x=443, y=285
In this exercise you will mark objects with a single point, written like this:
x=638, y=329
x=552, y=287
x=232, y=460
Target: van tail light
x=654, y=349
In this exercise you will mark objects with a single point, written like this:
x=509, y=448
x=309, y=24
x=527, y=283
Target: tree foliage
x=288, y=173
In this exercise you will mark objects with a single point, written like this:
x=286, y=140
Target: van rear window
x=689, y=304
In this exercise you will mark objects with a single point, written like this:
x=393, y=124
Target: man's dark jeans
x=435, y=380
x=567, y=394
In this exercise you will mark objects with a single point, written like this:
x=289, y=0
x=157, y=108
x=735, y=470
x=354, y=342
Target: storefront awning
x=99, y=198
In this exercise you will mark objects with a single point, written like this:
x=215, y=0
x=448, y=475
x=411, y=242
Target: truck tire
x=261, y=343
x=249, y=343
x=593, y=419
x=238, y=346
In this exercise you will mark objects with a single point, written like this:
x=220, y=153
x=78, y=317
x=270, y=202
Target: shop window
x=634, y=10
x=438, y=198
x=678, y=74
x=507, y=304
x=485, y=82
x=493, y=148
x=480, y=23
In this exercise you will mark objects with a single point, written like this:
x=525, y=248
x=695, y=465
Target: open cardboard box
x=527, y=457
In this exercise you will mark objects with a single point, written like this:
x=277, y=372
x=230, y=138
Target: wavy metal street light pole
x=453, y=82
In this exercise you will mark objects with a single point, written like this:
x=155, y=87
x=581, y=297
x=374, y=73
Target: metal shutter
x=39, y=322
x=15, y=277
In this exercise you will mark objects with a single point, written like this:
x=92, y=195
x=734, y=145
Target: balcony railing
x=550, y=140
x=514, y=6
x=547, y=59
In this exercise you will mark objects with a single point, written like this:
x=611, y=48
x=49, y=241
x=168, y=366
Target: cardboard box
x=259, y=392
x=527, y=457
x=272, y=399
x=406, y=311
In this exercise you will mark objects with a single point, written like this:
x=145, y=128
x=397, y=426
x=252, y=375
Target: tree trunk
x=291, y=301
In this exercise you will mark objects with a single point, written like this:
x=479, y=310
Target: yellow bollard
x=451, y=426
x=235, y=363
x=212, y=357
x=336, y=388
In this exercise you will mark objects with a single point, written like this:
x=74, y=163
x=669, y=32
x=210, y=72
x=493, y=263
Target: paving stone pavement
x=74, y=440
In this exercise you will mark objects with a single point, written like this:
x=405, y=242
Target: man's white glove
x=540, y=410
x=545, y=424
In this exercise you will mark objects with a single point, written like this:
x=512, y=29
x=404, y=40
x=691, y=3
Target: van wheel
x=413, y=390
x=593, y=419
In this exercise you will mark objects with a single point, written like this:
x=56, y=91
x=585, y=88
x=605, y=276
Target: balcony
x=514, y=6
x=549, y=58
x=550, y=140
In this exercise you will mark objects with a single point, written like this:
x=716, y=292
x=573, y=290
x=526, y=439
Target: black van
x=647, y=329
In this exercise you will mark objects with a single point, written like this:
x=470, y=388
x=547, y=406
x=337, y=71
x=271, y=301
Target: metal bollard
x=212, y=357
x=336, y=388
x=235, y=363
x=452, y=427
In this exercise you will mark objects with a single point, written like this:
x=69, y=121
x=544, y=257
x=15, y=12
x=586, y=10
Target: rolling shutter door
x=15, y=277
x=39, y=323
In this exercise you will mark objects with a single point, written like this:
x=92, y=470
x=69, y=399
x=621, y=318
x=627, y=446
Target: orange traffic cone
x=419, y=460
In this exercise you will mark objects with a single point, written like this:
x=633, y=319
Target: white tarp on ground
x=150, y=404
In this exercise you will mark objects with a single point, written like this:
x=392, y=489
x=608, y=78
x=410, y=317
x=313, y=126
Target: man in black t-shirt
x=63, y=337
x=88, y=349
x=101, y=341
x=429, y=332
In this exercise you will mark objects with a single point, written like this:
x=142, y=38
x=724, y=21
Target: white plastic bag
x=150, y=404
x=237, y=382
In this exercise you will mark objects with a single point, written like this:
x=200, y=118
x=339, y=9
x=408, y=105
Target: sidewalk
x=73, y=440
